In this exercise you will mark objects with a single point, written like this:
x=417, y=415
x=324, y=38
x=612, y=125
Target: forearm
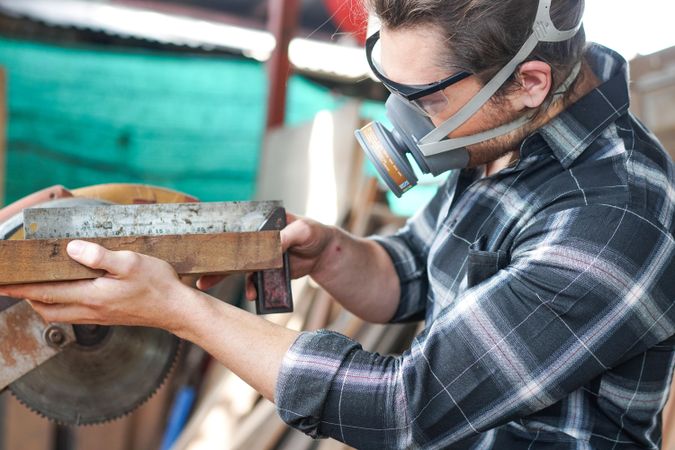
x=357, y=272
x=360, y=275
x=248, y=345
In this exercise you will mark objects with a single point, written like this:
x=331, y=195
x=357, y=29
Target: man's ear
x=534, y=78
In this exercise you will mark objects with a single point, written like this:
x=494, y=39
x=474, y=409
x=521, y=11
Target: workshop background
x=231, y=100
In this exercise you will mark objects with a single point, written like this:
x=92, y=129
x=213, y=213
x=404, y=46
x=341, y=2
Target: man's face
x=410, y=56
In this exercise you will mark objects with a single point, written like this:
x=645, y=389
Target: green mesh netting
x=82, y=116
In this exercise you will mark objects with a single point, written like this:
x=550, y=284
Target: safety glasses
x=429, y=99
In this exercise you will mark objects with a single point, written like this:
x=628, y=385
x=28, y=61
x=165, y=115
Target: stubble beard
x=497, y=113
x=500, y=146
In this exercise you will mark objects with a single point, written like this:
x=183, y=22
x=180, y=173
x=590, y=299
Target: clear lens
x=432, y=104
x=429, y=105
x=376, y=57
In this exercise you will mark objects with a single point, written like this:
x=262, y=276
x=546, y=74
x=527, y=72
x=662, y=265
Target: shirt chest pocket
x=483, y=264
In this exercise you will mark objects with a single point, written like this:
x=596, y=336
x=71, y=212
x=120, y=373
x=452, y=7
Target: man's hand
x=356, y=272
x=144, y=291
x=137, y=290
x=306, y=242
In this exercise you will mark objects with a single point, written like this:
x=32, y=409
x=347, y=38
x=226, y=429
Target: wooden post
x=653, y=94
x=283, y=17
x=40, y=260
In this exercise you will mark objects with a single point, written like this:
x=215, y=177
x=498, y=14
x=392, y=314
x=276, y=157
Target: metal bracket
x=28, y=341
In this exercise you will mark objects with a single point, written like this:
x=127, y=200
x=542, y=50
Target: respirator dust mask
x=409, y=107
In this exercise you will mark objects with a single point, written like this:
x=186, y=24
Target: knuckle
x=94, y=255
x=48, y=316
x=309, y=230
x=130, y=262
x=45, y=297
x=303, y=230
x=290, y=233
x=91, y=302
x=46, y=313
x=305, y=224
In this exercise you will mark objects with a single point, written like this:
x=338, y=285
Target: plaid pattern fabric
x=548, y=293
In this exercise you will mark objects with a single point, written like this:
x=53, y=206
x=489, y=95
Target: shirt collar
x=573, y=130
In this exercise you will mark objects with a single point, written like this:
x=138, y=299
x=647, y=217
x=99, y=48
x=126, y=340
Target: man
x=545, y=275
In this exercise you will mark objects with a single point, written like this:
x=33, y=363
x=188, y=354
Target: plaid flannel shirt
x=547, y=290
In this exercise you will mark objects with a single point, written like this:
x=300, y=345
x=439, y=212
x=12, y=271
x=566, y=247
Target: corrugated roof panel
x=320, y=57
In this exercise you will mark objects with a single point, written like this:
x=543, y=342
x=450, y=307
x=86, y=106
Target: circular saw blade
x=89, y=383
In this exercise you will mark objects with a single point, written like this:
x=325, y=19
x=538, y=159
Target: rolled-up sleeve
x=576, y=299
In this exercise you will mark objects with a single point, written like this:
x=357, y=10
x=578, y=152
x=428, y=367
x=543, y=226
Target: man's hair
x=482, y=36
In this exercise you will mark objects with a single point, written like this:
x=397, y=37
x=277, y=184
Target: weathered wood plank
x=38, y=260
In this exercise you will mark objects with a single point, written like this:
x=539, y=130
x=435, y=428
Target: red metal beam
x=283, y=19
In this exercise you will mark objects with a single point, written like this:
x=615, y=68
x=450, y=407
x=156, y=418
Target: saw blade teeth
x=140, y=402
x=158, y=349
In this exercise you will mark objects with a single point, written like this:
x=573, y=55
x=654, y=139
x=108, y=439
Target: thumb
x=296, y=234
x=208, y=281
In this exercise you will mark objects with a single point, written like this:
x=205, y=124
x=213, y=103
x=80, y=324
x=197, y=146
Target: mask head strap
x=543, y=30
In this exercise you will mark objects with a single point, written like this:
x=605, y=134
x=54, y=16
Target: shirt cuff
x=412, y=278
x=306, y=375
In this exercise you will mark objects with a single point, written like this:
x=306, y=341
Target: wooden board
x=310, y=167
x=31, y=261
